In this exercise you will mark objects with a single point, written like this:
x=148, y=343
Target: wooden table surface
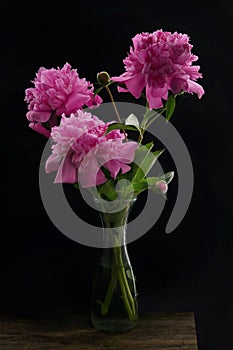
x=74, y=332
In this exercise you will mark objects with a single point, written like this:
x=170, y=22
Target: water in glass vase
x=114, y=294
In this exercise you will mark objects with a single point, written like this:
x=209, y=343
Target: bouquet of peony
x=95, y=155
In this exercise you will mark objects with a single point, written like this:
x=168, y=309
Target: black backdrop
x=188, y=270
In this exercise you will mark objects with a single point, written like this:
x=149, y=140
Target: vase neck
x=114, y=218
x=114, y=236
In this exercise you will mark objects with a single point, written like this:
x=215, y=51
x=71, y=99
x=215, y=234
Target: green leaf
x=148, y=183
x=150, y=113
x=150, y=116
x=108, y=190
x=170, y=106
x=145, y=184
x=132, y=120
x=139, y=187
x=121, y=126
x=168, y=177
x=151, y=181
x=140, y=153
x=145, y=160
x=149, y=145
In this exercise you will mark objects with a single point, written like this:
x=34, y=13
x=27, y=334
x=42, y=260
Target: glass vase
x=114, y=294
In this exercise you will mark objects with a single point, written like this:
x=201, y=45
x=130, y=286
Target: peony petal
x=40, y=129
x=89, y=173
x=115, y=161
x=154, y=101
x=125, y=168
x=66, y=172
x=127, y=152
x=41, y=117
x=195, y=87
x=100, y=178
x=121, y=89
x=177, y=85
x=135, y=85
x=94, y=101
x=122, y=78
x=114, y=166
x=75, y=101
x=52, y=163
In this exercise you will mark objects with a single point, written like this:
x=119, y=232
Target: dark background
x=188, y=270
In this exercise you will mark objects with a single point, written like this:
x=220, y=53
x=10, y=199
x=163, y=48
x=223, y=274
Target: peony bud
x=162, y=186
x=103, y=78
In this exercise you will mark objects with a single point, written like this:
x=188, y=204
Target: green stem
x=147, y=116
x=125, y=281
x=115, y=108
x=140, y=137
x=113, y=103
x=118, y=274
x=109, y=294
x=153, y=119
x=123, y=287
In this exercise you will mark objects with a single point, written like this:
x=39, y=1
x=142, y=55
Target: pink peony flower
x=113, y=155
x=159, y=62
x=57, y=92
x=80, y=147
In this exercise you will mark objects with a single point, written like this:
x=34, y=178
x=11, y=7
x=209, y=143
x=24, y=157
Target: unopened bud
x=103, y=78
x=162, y=186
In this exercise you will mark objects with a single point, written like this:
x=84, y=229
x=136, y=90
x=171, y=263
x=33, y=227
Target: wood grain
x=74, y=332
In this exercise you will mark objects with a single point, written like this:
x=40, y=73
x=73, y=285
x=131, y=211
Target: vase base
x=114, y=326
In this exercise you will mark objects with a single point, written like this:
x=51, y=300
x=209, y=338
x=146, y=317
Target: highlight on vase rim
x=99, y=147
